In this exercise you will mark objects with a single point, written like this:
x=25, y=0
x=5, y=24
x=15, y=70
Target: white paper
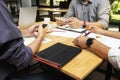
x=108, y=41
x=67, y=33
x=64, y=33
x=29, y=40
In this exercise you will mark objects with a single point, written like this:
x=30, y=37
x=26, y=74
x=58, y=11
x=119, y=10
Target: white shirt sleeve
x=114, y=57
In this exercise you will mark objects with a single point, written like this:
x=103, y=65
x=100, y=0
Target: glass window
x=57, y=2
x=50, y=3
x=44, y=2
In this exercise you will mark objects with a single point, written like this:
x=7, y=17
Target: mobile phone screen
x=44, y=25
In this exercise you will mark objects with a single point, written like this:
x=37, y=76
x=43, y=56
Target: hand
x=33, y=29
x=96, y=29
x=42, y=31
x=81, y=41
x=30, y=31
x=75, y=23
x=60, y=20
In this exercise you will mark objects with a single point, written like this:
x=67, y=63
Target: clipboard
x=57, y=55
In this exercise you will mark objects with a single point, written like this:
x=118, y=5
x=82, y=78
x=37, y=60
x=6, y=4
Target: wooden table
x=51, y=10
x=80, y=66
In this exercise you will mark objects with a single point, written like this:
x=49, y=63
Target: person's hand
x=75, y=23
x=96, y=29
x=42, y=31
x=32, y=29
x=60, y=21
x=80, y=41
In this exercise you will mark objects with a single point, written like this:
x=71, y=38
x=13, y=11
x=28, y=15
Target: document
x=28, y=40
x=67, y=31
x=67, y=27
x=108, y=41
x=64, y=33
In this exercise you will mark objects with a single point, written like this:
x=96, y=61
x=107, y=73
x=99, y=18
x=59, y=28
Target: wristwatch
x=89, y=42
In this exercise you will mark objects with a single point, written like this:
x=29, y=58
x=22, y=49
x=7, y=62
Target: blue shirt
x=12, y=48
x=94, y=11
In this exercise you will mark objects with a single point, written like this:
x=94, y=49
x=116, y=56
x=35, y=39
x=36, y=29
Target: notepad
x=57, y=55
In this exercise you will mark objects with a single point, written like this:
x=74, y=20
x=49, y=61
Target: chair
x=46, y=75
x=27, y=17
x=63, y=5
x=9, y=72
x=6, y=70
x=108, y=71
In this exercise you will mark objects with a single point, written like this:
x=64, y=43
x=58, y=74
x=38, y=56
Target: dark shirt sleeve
x=17, y=53
x=12, y=48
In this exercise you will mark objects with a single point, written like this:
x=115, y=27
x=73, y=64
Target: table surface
x=80, y=66
x=53, y=9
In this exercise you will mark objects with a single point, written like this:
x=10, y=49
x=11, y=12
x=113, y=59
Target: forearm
x=35, y=45
x=114, y=34
x=94, y=24
x=100, y=49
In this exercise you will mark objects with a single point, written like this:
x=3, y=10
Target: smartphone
x=44, y=25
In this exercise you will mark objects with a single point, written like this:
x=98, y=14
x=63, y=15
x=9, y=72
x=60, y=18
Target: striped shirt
x=94, y=11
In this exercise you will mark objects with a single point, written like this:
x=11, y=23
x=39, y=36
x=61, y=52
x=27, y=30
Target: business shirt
x=12, y=48
x=95, y=10
x=114, y=57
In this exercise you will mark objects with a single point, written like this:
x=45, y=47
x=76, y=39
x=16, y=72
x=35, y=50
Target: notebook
x=57, y=55
x=27, y=17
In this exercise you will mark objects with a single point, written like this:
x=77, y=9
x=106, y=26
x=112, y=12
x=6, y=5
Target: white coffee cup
x=46, y=20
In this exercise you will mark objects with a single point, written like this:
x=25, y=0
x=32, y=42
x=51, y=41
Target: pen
x=86, y=33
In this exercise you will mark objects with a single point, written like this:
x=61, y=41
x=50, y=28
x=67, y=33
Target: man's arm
x=98, y=30
x=76, y=23
x=35, y=45
x=102, y=16
x=103, y=51
x=106, y=53
x=88, y=24
x=103, y=12
x=100, y=49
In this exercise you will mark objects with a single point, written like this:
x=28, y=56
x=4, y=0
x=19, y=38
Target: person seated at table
x=85, y=13
x=103, y=51
x=12, y=47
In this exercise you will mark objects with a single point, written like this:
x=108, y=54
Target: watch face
x=89, y=42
